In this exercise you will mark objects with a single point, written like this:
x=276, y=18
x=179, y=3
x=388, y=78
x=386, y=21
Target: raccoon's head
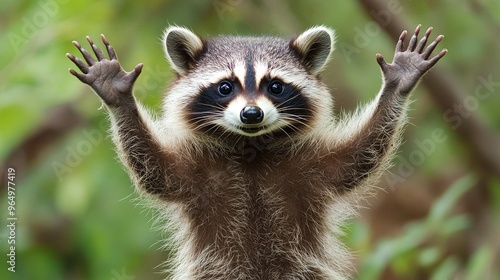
x=248, y=86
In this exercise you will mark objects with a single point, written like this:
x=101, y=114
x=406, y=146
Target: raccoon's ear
x=314, y=46
x=182, y=48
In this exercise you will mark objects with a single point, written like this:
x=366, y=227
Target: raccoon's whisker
x=300, y=122
x=286, y=133
x=212, y=129
x=203, y=121
x=207, y=119
x=292, y=127
x=289, y=108
x=225, y=133
x=202, y=124
x=296, y=118
x=206, y=116
x=217, y=105
x=290, y=99
x=205, y=124
x=206, y=113
x=219, y=109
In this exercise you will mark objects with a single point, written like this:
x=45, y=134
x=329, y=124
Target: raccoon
x=248, y=160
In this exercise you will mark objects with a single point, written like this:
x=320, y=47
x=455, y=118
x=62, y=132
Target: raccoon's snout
x=251, y=115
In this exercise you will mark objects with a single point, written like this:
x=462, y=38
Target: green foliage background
x=77, y=212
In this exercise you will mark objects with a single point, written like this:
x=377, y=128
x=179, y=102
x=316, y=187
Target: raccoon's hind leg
x=138, y=148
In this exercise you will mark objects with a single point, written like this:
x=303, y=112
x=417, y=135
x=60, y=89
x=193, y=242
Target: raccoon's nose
x=251, y=115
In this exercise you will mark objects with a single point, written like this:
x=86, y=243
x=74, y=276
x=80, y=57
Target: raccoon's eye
x=225, y=88
x=276, y=87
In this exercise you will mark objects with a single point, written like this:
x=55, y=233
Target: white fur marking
x=261, y=70
x=239, y=72
x=232, y=122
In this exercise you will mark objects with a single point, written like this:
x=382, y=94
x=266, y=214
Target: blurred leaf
x=16, y=125
x=446, y=270
x=446, y=202
x=403, y=251
x=387, y=251
x=480, y=264
x=494, y=189
x=429, y=256
x=454, y=225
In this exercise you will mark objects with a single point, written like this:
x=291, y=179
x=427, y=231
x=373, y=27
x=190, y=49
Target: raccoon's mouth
x=251, y=129
x=256, y=130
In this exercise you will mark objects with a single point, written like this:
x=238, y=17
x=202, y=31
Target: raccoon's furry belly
x=258, y=225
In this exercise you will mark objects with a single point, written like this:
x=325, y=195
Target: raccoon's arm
x=376, y=138
x=138, y=148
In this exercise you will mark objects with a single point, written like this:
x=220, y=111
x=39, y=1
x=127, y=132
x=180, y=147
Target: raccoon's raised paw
x=105, y=76
x=410, y=64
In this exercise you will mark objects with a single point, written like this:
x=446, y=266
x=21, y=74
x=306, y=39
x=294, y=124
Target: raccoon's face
x=268, y=106
x=249, y=86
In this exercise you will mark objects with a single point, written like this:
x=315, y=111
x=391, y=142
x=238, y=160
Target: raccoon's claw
x=381, y=61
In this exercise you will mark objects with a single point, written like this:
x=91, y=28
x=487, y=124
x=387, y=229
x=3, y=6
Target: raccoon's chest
x=258, y=214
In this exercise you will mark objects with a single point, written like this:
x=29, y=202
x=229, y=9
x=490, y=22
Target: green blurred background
x=436, y=215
